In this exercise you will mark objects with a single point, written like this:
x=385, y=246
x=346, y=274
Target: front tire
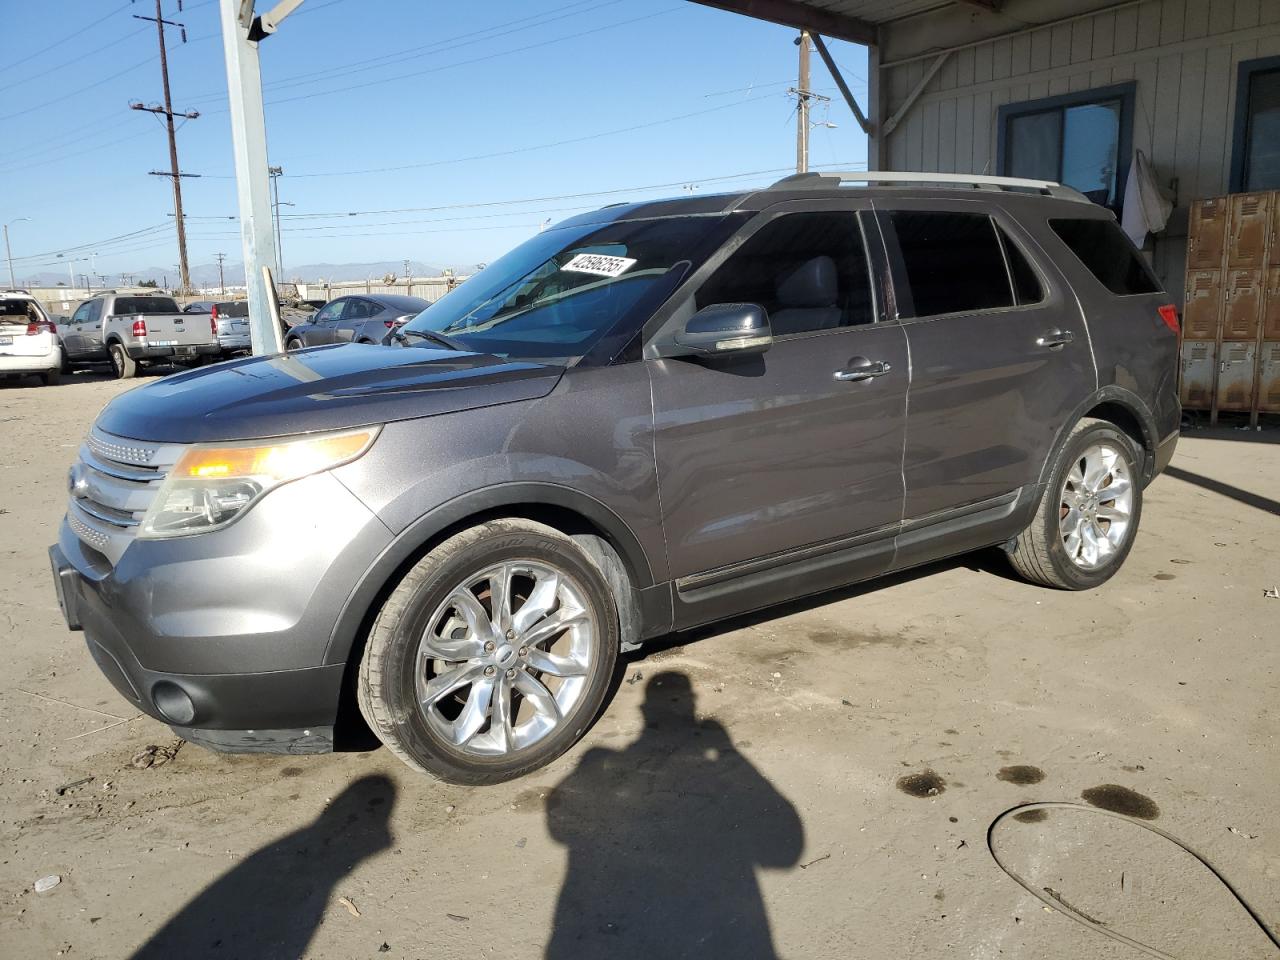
x=1088, y=516
x=493, y=654
x=122, y=365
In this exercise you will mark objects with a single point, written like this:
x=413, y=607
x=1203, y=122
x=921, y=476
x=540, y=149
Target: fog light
x=172, y=701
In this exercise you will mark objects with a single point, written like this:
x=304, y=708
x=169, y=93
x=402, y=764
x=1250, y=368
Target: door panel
x=783, y=458
x=73, y=332
x=990, y=386
x=91, y=342
x=321, y=329
x=773, y=453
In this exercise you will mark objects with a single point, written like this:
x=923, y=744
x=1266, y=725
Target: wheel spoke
x=474, y=713
x=500, y=597
x=1118, y=487
x=534, y=691
x=540, y=602
x=1089, y=544
x=1114, y=512
x=555, y=665
x=473, y=612
x=503, y=735
x=553, y=626
x=445, y=683
x=1075, y=477
x=1097, y=467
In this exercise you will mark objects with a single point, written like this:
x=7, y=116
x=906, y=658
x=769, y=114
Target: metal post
x=276, y=173
x=802, y=107
x=9, y=255
x=253, y=188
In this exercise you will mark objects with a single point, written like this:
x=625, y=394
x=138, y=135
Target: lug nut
x=489, y=671
x=524, y=651
x=489, y=646
x=511, y=634
x=511, y=674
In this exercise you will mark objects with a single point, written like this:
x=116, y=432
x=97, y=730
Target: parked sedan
x=362, y=319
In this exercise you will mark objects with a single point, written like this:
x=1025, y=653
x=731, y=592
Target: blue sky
x=391, y=105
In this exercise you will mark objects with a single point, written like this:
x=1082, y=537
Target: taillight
x=213, y=324
x=214, y=312
x=35, y=328
x=1169, y=314
x=139, y=328
x=388, y=324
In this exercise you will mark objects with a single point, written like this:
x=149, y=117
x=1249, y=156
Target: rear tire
x=122, y=365
x=473, y=696
x=1089, y=513
x=51, y=378
x=292, y=344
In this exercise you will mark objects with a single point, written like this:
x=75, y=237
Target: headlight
x=211, y=485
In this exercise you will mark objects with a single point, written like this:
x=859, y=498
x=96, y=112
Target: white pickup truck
x=136, y=329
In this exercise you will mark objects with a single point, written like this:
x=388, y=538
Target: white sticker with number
x=599, y=264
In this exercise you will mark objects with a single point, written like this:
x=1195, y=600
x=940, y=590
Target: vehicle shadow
x=665, y=837
x=268, y=906
x=1256, y=500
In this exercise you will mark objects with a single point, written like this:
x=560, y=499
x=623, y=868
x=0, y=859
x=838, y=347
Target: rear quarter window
x=1107, y=253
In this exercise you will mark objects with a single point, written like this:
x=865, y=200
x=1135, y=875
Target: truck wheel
x=122, y=365
x=493, y=654
x=1088, y=516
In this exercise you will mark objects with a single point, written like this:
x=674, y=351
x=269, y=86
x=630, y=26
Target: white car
x=29, y=342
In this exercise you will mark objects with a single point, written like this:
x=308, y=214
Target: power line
x=46, y=72
x=57, y=43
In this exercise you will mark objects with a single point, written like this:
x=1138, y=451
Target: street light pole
x=8, y=254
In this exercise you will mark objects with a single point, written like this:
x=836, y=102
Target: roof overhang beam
x=802, y=16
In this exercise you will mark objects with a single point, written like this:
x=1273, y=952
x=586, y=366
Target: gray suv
x=642, y=420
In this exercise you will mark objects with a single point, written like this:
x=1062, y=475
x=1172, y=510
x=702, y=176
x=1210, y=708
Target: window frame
x=1126, y=93
x=1240, y=131
x=903, y=296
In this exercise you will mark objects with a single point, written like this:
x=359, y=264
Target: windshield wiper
x=437, y=338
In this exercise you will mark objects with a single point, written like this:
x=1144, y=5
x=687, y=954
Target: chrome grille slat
x=113, y=484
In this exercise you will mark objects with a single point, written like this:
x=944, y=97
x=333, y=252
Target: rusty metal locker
x=1235, y=376
x=1198, y=369
x=1243, y=306
x=1247, y=240
x=1207, y=234
x=1269, y=378
x=1203, y=303
x=1271, y=301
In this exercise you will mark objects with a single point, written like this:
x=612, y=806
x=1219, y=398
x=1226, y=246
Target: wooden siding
x=1183, y=55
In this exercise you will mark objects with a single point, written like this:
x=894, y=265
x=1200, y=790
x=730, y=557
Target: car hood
x=323, y=388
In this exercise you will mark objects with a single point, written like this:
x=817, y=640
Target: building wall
x=1183, y=55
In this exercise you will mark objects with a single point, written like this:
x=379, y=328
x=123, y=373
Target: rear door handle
x=860, y=368
x=1055, y=338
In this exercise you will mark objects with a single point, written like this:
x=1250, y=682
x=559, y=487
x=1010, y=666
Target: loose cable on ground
x=1093, y=925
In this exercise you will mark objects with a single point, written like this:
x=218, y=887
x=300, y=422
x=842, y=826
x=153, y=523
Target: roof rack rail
x=834, y=178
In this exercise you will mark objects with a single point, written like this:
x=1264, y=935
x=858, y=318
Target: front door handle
x=1055, y=338
x=860, y=368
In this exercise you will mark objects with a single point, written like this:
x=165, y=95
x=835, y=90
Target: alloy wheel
x=505, y=658
x=1095, y=506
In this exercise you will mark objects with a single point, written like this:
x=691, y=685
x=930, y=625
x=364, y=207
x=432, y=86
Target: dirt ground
x=817, y=781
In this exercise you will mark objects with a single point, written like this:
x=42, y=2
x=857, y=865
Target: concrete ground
x=816, y=781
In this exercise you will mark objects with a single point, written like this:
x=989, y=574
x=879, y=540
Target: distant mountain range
x=206, y=274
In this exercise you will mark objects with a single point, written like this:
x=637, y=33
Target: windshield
x=554, y=296
x=128, y=306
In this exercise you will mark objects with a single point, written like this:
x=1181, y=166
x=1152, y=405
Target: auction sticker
x=599, y=264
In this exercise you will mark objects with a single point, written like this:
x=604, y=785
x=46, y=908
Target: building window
x=1255, y=151
x=1084, y=140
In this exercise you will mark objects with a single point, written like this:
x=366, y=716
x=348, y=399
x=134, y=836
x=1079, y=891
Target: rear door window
x=953, y=262
x=1102, y=247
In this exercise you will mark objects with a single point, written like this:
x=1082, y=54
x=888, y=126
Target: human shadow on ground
x=270, y=904
x=665, y=837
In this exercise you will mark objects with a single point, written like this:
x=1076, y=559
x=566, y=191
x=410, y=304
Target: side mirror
x=723, y=329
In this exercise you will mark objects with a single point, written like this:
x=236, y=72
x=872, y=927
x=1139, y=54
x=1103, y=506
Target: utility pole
x=276, y=173
x=802, y=93
x=408, y=281
x=174, y=173
x=221, y=283
x=7, y=252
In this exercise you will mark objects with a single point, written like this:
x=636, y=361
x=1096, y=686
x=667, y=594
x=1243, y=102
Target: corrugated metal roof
x=875, y=11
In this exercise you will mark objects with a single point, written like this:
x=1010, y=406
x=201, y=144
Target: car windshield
x=556, y=295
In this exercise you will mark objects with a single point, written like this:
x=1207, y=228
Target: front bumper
x=179, y=352
x=223, y=635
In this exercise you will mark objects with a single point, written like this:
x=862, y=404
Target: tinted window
x=1262, y=132
x=1106, y=251
x=21, y=309
x=1026, y=284
x=233, y=308
x=130, y=306
x=953, y=261
x=359, y=310
x=808, y=270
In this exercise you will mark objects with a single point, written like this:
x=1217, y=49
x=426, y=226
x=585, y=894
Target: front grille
x=112, y=484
